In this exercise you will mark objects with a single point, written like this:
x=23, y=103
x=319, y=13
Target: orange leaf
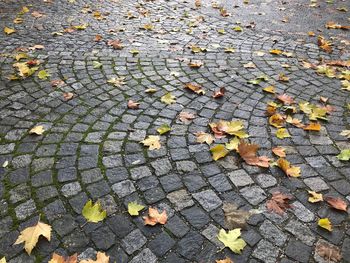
x=313, y=126
x=195, y=64
x=324, y=44
x=133, y=105
x=226, y=260
x=195, y=88
x=292, y=171
x=116, y=44
x=60, y=259
x=68, y=96
x=57, y=83
x=248, y=153
x=219, y=93
x=278, y=203
x=279, y=151
x=277, y=120
x=336, y=203
x=154, y=217
x=98, y=38
x=286, y=99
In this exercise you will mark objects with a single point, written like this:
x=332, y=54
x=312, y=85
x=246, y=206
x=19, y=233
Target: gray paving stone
x=272, y=233
x=266, y=252
x=302, y=213
x=301, y=232
x=145, y=256
x=208, y=199
x=316, y=184
x=181, y=199
x=253, y=194
x=25, y=209
x=240, y=178
x=123, y=188
x=133, y=241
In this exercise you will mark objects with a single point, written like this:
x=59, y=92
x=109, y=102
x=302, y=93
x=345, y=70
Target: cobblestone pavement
x=90, y=148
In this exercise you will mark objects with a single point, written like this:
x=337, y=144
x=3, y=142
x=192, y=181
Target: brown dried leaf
x=68, y=96
x=60, y=259
x=324, y=44
x=292, y=171
x=248, y=153
x=279, y=151
x=195, y=88
x=278, y=203
x=219, y=93
x=116, y=44
x=154, y=217
x=336, y=203
x=186, y=117
x=133, y=105
x=328, y=251
x=285, y=99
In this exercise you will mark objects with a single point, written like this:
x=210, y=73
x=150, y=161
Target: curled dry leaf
x=226, y=260
x=61, y=259
x=219, y=93
x=30, y=235
x=345, y=133
x=203, y=137
x=315, y=197
x=324, y=44
x=37, y=14
x=277, y=120
x=186, y=117
x=57, y=83
x=195, y=64
x=270, y=89
x=278, y=203
x=279, y=151
x=292, y=171
x=68, y=96
x=195, y=88
x=37, y=130
x=116, y=44
x=98, y=38
x=133, y=105
x=313, y=126
x=325, y=223
x=334, y=25
x=154, y=217
x=328, y=252
x=234, y=217
x=336, y=203
x=248, y=153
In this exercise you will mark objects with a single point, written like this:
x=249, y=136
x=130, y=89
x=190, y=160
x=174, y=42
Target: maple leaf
x=315, y=197
x=282, y=133
x=197, y=3
x=20, y=56
x=232, y=240
x=279, y=151
x=60, y=259
x=203, y=137
x=328, y=252
x=334, y=25
x=313, y=126
x=277, y=120
x=344, y=155
x=24, y=70
x=96, y=64
x=134, y=51
x=116, y=44
x=154, y=217
x=37, y=130
x=93, y=213
x=219, y=151
x=285, y=99
x=57, y=83
x=345, y=85
x=226, y=260
x=168, y=98
x=186, y=117
x=68, y=96
x=278, y=203
x=30, y=235
x=118, y=82
x=195, y=88
x=164, y=128
x=134, y=208
x=336, y=203
x=232, y=144
x=9, y=31
x=219, y=93
x=150, y=90
x=152, y=141
x=133, y=105
x=230, y=127
x=249, y=65
x=282, y=77
x=101, y=257
x=248, y=153
x=325, y=223
x=276, y=51
x=43, y=74
x=37, y=14
x=292, y=171
x=229, y=50
x=98, y=38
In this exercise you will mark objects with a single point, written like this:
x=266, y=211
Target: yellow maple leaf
x=9, y=31
x=315, y=197
x=152, y=141
x=164, y=128
x=3, y=260
x=270, y=89
x=38, y=130
x=218, y=151
x=168, y=98
x=93, y=213
x=100, y=258
x=282, y=133
x=134, y=208
x=345, y=85
x=325, y=223
x=232, y=240
x=233, y=144
x=30, y=235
